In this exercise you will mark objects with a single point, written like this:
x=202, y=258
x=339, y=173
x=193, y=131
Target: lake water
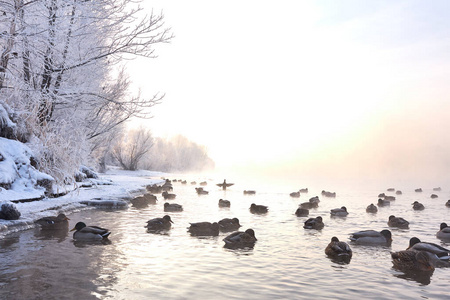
x=287, y=262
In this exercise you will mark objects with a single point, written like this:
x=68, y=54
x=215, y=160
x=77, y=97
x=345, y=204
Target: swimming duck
x=382, y=203
x=295, y=194
x=309, y=205
x=157, y=224
x=314, y=199
x=339, y=212
x=240, y=239
x=249, y=192
x=337, y=249
x=143, y=201
x=201, y=191
x=418, y=206
x=168, y=196
x=416, y=244
x=371, y=208
x=408, y=260
x=314, y=223
x=447, y=203
x=204, y=229
x=302, y=212
x=304, y=190
x=49, y=223
x=84, y=232
x=433, y=196
x=172, y=207
x=258, y=209
x=372, y=237
x=227, y=225
x=224, y=203
x=397, y=222
x=328, y=194
x=444, y=232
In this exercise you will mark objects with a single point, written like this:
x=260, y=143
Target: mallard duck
x=397, y=222
x=371, y=208
x=92, y=233
x=224, y=203
x=258, y=209
x=444, y=232
x=227, y=225
x=314, y=223
x=433, y=196
x=419, y=190
x=143, y=201
x=309, y=205
x=295, y=194
x=241, y=239
x=339, y=212
x=201, y=191
x=372, y=237
x=302, y=212
x=418, y=206
x=224, y=185
x=168, y=196
x=304, y=190
x=398, y=193
x=249, y=192
x=157, y=224
x=389, y=198
x=51, y=223
x=172, y=207
x=382, y=203
x=337, y=249
x=314, y=199
x=409, y=260
x=416, y=244
x=204, y=229
x=447, y=203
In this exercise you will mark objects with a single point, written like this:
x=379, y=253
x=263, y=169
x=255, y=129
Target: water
x=287, y=262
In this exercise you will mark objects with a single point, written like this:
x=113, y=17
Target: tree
x=132, y=147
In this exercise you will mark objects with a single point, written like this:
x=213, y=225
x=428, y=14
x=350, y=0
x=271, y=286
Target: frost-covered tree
x=129, y=150
x=61, y=71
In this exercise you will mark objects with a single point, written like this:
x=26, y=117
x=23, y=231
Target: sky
x=320, y=88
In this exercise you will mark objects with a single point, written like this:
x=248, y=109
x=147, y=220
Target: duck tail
x=106, y=235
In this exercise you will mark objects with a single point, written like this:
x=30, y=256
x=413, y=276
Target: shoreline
x=113, y=189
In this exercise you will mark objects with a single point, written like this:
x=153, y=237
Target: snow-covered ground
x=112, y=189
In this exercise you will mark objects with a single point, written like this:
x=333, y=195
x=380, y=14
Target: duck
x=314, y=223
x=239, y=239
x=447, y=203
x=303, y=190
x=444, y=232
x=143, y=201
x=204, y=229
x=201, y=191
x=408, y=260
x=172, y=207
x=157, y=224
x=309, y=205
x=58, y=222
x=314, y=199
x=227, y=225
x=418, y=206
x=417, y=245
x=372, y=237
x=249, y=192
x=295, y=194
x=224, y=203
x=382, y=203
x=337, y=249
x=168, y=196
x=339, y=212
x=329, y=194
x=371, y=209
x=302, y=212
x=258, y=209
x=434, y=196
x=89, y=233
x=224, y=185
x=397, y=222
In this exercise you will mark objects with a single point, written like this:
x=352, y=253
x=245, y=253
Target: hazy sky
x=327, y=88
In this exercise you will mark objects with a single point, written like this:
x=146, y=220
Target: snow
x=110, y=189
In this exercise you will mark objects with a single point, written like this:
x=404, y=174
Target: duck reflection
x=423, y=278
x=88, y=243
x=55, y=234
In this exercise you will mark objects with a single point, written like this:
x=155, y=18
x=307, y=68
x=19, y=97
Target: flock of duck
x=418, y=256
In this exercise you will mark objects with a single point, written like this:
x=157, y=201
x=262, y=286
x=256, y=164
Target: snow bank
x=121, y=185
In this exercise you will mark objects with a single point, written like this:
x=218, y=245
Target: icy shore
x=112, y=189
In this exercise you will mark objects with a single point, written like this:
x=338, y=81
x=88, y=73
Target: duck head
x=167, y=217
x=79, y=226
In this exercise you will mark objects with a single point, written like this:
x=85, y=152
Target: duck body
x=439, y=251
x=372, y=209
x=258, y=209
x=54, y=223
x=241, y=239
x=201, y=191
x=295, y=194
x=159, y=224
x=397, y=222
x=143, y=201
x=314, y=223
x=309, y=205
x=372, y=237
x=302, y=212
x=338, y=249
x=418, y=206
x=249, y=192
x=447, y=203
x=224, y=203
x=339, y=212
x=382, y=203
x=409, y=260
x=204, y=229
x=172, y=207
x=444, y=232
x=89, y=233
x=167, y=196
x=227, y=225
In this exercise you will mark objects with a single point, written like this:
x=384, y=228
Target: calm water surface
x=287, y=261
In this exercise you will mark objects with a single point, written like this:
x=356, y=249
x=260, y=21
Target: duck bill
x=73, y=229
